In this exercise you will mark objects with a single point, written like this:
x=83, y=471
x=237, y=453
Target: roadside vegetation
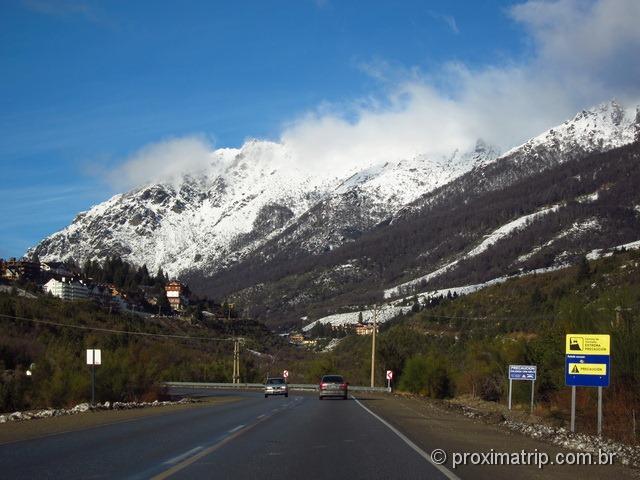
x=133, y=366
x=450, y=347
x=463, y=346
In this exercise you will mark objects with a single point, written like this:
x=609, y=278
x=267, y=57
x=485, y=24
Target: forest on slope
x=442, y=227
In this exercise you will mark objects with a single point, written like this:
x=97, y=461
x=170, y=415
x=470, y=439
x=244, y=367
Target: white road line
x=233, y=430
x=179, y=458
x=444, y=470
x=261, y=416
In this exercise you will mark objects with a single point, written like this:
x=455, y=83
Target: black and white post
x=94, y=357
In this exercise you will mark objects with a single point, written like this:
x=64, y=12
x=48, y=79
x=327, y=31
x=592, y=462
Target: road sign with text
x=523, y=372
x=587, y=360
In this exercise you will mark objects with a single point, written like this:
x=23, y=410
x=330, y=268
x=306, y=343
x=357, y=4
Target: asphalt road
x=295, y=437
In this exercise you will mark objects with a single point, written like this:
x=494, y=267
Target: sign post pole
x=93, y=384
x=599, y=411
x=389, y=378
x=510, y=385
x=94, y=357
x=533, y=389
x=573, y=409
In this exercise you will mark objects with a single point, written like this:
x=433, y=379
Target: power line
x=110, y=330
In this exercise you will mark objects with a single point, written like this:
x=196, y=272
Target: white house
x=66, y=290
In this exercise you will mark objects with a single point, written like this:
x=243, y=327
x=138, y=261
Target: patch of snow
x=332, y=344
x=508, y=229
x=588, y=198
x=489, y=240
x=603, y=253
x=576, y=228
x=384, y=313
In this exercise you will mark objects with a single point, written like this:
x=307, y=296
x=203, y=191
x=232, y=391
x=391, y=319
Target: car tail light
x=322, y=386
x=343, y=386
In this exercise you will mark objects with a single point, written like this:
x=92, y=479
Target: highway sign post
x=389, y=378
x=94, y=357
x=587, y=364
x=285, y=374
x=523, y=372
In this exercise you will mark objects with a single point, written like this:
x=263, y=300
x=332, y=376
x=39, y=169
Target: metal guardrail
x=259, y=386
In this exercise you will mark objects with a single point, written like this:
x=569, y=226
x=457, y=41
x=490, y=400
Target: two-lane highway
x=255, y=437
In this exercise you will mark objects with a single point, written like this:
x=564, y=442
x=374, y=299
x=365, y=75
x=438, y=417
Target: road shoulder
x=12, y=432
x=433, y=427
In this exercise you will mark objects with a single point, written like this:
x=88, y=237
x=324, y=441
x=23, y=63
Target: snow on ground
x=332, y=344
x=385, y=312
x=576, y=228
x=508, y=229
x=423, y=297
x=607, y=252
x=589, y=198
x=489, y=240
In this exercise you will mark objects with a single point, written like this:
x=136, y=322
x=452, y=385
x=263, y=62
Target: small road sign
x=587, y=370
x=389, y=375
x=285, y=373
x=523, y=372
x=94, y=357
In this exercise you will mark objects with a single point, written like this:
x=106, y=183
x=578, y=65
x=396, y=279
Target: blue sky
x=85, y=85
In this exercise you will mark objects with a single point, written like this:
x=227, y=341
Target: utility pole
x=236, y=361
x=237, y=344
x=373, y=345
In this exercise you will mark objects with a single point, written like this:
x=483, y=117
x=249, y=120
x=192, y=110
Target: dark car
x=333, y=386
x=276, y=386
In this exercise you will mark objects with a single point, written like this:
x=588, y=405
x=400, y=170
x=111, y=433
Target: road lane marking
x=232, y=434
x=233, y=430
x=444, y=470
x=179, y=458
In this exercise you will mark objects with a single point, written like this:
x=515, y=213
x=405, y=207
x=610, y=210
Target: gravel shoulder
x=434, y=425
x=12, y=432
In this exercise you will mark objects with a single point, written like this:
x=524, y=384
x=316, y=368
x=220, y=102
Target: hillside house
x=66, y=289
x=177, y=294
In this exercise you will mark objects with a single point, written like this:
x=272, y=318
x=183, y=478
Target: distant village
x=68, y=282
x=147, y=296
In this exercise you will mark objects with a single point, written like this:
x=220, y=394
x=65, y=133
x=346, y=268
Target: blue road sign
x=522, y=372
x=587, y=370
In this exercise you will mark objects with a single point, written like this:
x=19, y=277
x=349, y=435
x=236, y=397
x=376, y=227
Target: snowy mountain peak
x=602, y=127
x=259, y=193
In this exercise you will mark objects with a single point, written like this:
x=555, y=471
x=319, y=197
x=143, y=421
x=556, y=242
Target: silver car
x=276, y=386
x=333, y=386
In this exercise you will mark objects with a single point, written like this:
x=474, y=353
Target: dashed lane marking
x=233, y=430
x=179, y=458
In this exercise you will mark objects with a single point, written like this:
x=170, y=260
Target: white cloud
x=165, y=161
x=449, y=20
x=584, y=53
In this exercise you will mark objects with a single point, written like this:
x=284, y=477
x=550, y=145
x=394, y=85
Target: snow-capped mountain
x=245, y=198
x=259, y=201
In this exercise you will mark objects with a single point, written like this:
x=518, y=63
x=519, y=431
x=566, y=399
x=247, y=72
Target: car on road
x=276, y=386
x=333, y=386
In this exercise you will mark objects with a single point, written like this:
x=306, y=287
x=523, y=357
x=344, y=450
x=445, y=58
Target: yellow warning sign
x=588, y=368
x=587, y=344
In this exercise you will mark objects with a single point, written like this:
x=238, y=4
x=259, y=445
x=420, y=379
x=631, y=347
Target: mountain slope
x=247, y=196
x=260, y=227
